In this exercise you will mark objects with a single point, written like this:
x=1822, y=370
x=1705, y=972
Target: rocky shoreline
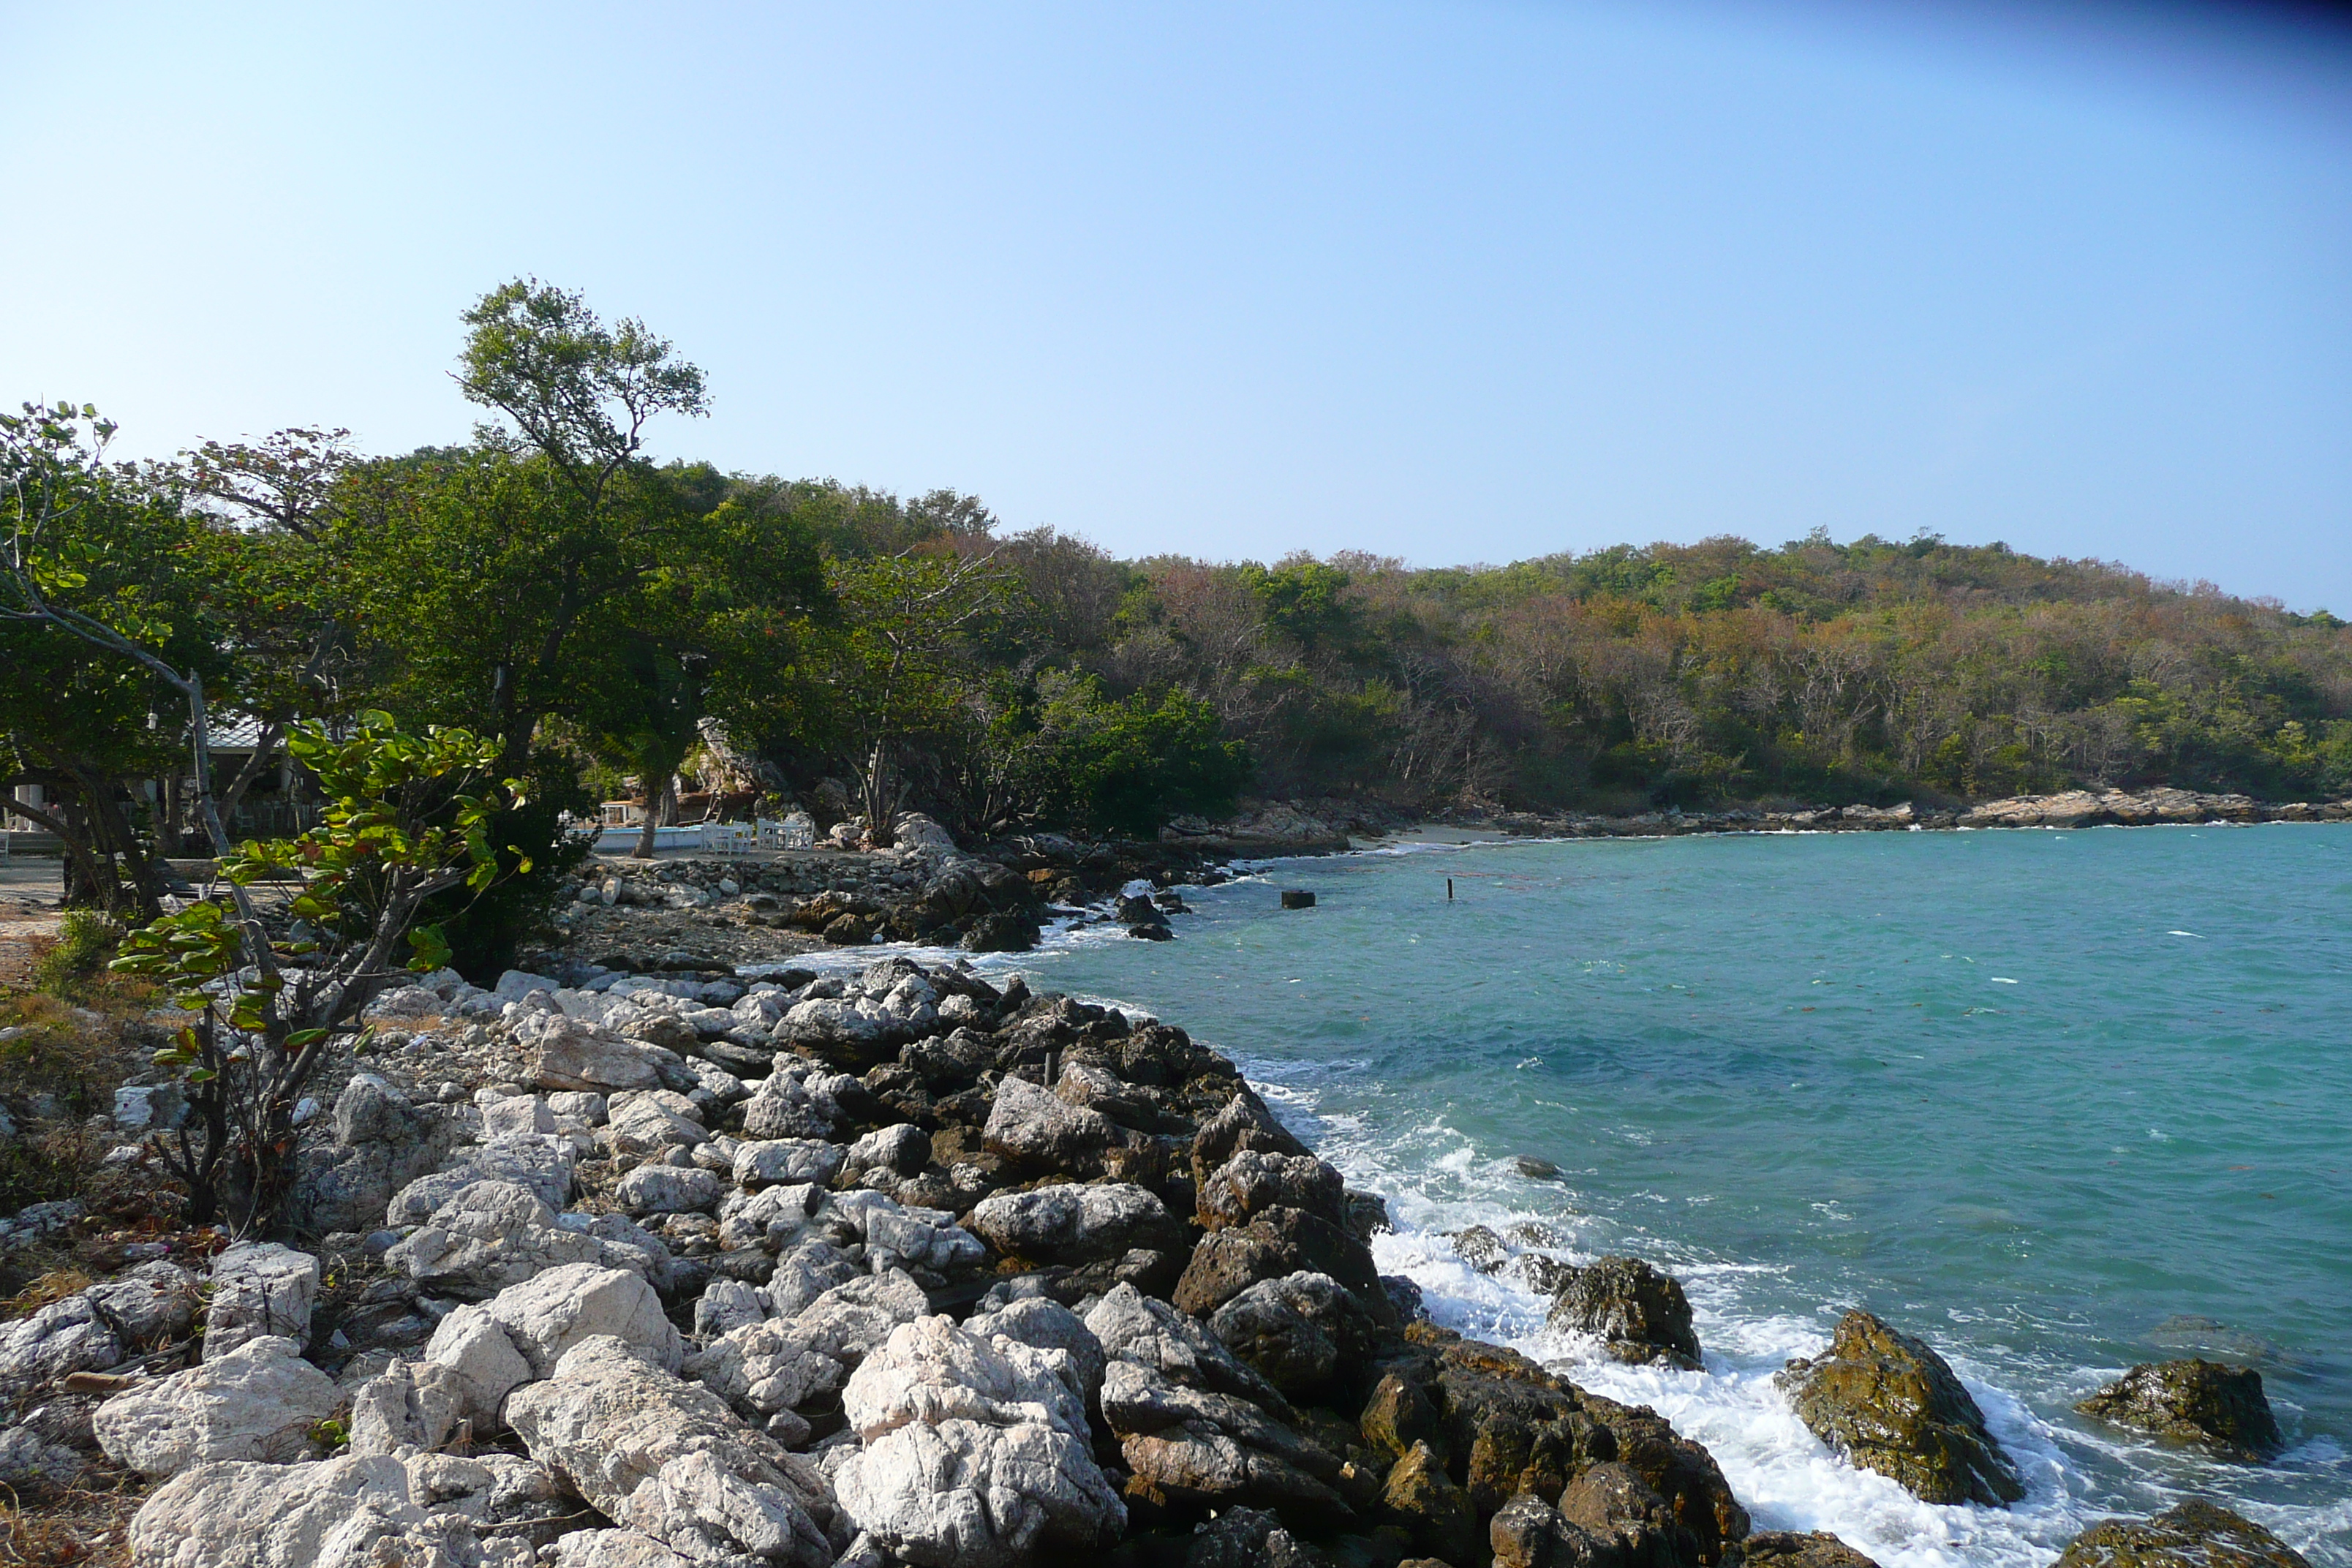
x=2074, y=808
x=660, y=1254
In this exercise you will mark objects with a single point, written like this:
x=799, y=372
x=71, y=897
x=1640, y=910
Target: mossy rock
x=1890, y=1403
x=2196, y=1401
x=2196, y=1534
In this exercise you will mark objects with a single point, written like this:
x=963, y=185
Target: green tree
x=408, y=817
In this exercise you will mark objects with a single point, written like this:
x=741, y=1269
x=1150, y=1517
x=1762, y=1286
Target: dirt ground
x=30, y=887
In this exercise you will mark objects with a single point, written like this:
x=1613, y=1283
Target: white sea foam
x=1436, y=1180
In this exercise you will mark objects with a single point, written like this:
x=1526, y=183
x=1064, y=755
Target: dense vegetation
x=605, y=618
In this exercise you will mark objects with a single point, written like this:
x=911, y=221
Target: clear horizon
x=1452, y=282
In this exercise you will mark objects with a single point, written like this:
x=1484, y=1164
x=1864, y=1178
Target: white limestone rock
x=1076, y=1222
x=543, y=1164
x=568, y=1053
x=412, y=1404
x=95, y=1329
x=669, y=1189
x=352, y=1512
x=778, y=1363
x=474, y=1344
x=548, y=1315
x=670, y=1460
x=787, y=1159
x=931, y=1371
x=257, y=1402
x=486, y=1237
x=965, y=1495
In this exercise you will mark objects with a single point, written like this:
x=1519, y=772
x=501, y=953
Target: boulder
x=854, y=1032
x=725, y=1305
x=1243, y=1123
x=811, y=1269
x=613, y=1549
x=2194, y=1532
x=416, y=1405
x=896, y=1234
x=544, y=1165
x=1190, y=1448
x=1787, y=1549
x=771, y=1217
x=1300, y=1332
x=517, y=1116
x=975, y=1452
x=1253, y=1181
x=904, y=1149
x=1637, y=1313
x=95, y=1329
x=1032, y=1126
x=547, y=1315
x=380, y=1143
x=787, y=1159
x=1046, y=1324
x=567, y=1053
x=257, y=1402
x=357, y=1512
x=783, y=1108
x=1278, y=1242
x=1437, y=1513
x=486, y=1237
x=1890, y=1403
x=650, y=1120
x=665, y=1458
x=1253, y=1538
x=931, y=1371
x=669, y=1189
x=31, y=1462
x=1612, y=1503
x=775, y=1364
x=1507, y=1426
x=1528, y=1533
x=1076, y=1222
x=2197, y=1401
x=1131, y=1326
x=489, y=1489
x=472, y=1344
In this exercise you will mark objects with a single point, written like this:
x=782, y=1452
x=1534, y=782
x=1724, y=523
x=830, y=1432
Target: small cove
x=2056, y=1102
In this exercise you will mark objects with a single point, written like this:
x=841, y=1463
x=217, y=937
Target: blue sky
x=1454, y=282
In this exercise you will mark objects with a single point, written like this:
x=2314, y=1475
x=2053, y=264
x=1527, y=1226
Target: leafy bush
x=1129, y=765
x=77, y=964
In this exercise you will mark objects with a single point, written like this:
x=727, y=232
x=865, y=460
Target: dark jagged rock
x=1425, y=1499
x=1249, y=1538
x=1480, y=1247
x=1787, y=1549
x=1639, y=1314
x=1243, y=1124
x=2197, y=1401
x=1613, y=1503
x=1890, y=1403
x=1503, y=1425
x=1253, y=1182
x=1305, y=1333
x=2196, y=1534
x=1279, y=1242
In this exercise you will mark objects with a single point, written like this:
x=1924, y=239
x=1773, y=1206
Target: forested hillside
x=621, y=624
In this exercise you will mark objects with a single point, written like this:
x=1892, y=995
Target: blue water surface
x=2056, y=1102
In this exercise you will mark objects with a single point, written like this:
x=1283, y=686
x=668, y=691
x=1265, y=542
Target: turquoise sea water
x=2027, y=1094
